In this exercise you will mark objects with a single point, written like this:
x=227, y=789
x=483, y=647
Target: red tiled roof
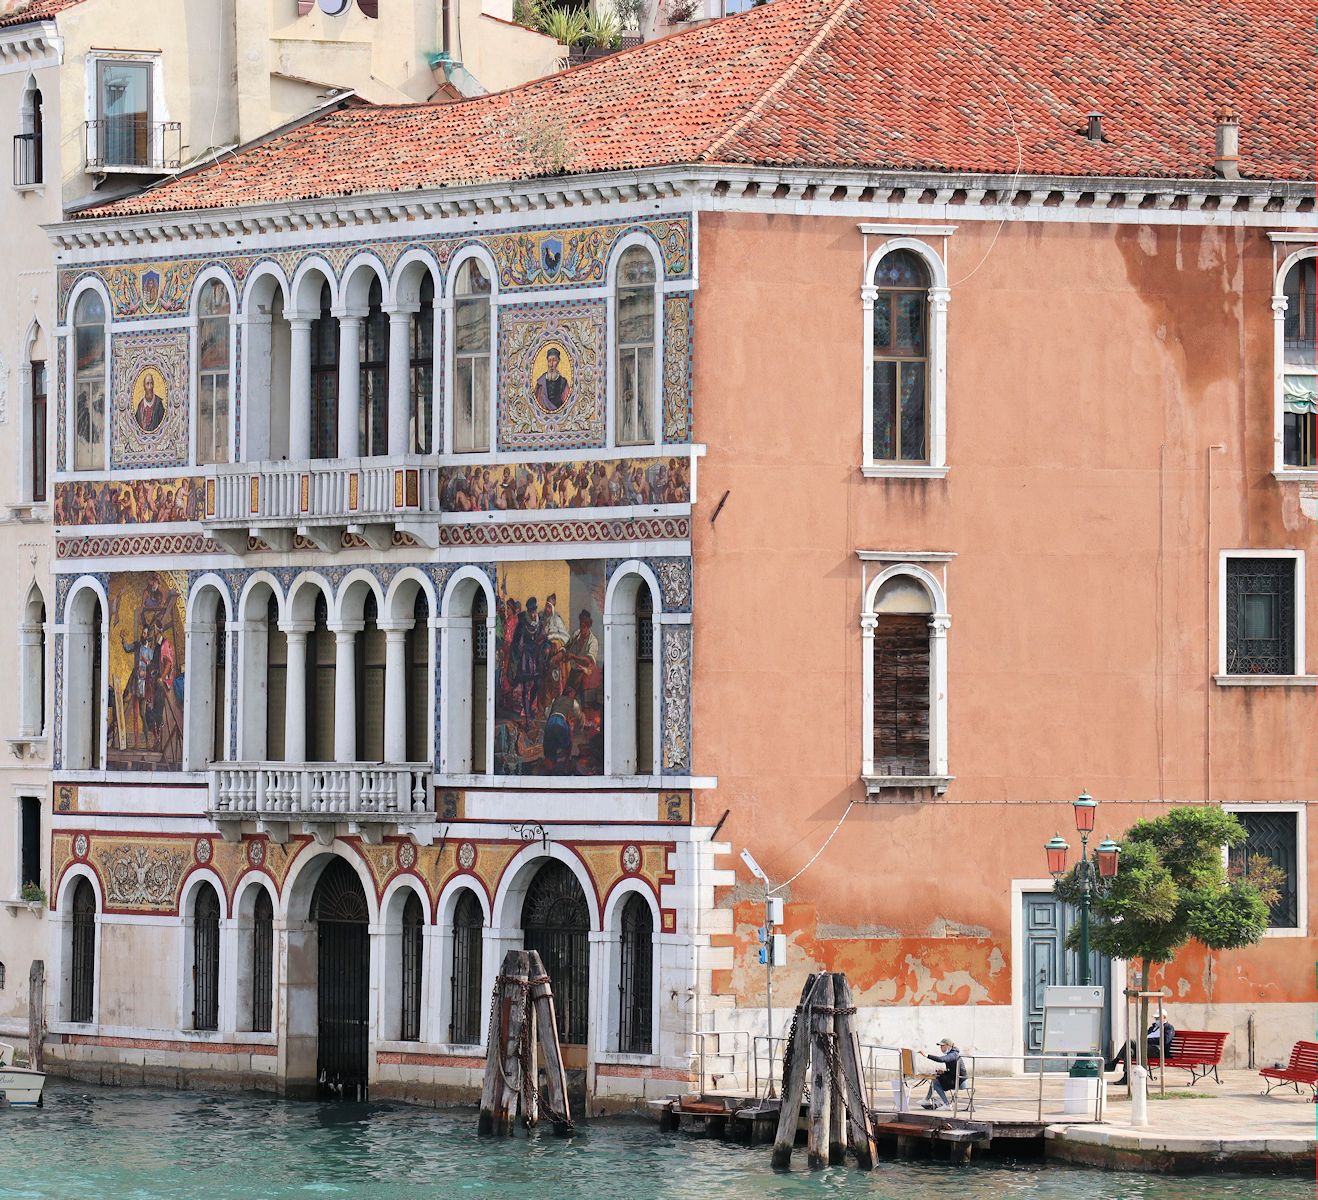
x=897, y=84
x=22, y=12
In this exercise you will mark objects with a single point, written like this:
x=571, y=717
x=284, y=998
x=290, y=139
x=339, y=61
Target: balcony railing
x=365, y=495
x=132, y=143
x=321, y=791
x=27, y=159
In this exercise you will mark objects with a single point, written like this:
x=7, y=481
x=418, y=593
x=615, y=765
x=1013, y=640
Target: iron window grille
x=206, y=960
x=83, y=981
x=410, y=1025
x=556, y=924
x=263, y=962
x=635, y=985
x=1260, y=616
x=1273, y=836
x=465, y=997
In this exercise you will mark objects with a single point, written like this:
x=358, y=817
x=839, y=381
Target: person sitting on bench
x=1159, y=1045
x=951, y=1077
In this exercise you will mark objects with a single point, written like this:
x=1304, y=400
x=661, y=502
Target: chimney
x=1226, y=155
x=1094, y=127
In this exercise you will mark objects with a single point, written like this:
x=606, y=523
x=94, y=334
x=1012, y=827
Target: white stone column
x=299, y=389
x=345, y=692
x=400, y=380
x=395, y=693
x=295, y=693
x=938, y=626
x=253, y=694
x=1279, y=305
x=938, y=298
x=620, y=694
x=350, y=384
x=29, y=682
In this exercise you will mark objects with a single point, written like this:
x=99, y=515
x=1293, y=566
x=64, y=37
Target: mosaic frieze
x=149, y=425
x=520, y=533
x=141, y=876
x=551, y=376
x=128, y=502
x=677, y=369
x=151, y=289
x=521, y=487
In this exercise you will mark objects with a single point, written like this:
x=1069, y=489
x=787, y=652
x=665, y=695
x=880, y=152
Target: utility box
x=1073, y=1020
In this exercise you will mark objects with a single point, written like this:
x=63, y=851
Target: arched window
x=635, y=333
x=556, y=924
x=321, y=662
x=262, y=961
x=413, y=922
x=421, y=361
x=206, y=958
x=472, y=337
x=83, y=686
x=905, y=679
x=40, y=385
x=32, y=675
x=635, y=984
x=213, y=373
x=480, y=681
x=1300, y=367
x=89, y=382
x=465, y=984
x=644, y=682
x=82, y=953
x=276, y=682
x=325, y=380
x=373, y=407
x=370, y=652
x=29, y=145
x=901, y=358
x=219, y=687
x=419, y=745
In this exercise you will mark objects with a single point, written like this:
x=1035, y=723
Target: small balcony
x=131, y=144
x=317, y=797
x=27, y=160
x=321, y=500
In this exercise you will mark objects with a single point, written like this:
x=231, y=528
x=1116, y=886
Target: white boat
x=19, y=1087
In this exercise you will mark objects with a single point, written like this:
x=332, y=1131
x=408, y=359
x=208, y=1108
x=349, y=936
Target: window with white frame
x=1298, y=368
x=904, y=301
x=32, y=659
x=634, y=330
x=904, y=627
x=122, y=104
x=29, y=144
x=1262, y=618
x=214, y=369
x=1272, y=837
x=89, y=382
x=472, y=340
x=29, y=842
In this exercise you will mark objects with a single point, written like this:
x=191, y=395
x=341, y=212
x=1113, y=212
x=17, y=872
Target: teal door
x=1046, y=922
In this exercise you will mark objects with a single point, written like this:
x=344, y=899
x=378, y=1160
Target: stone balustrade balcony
x=317, y=797
x=321, y=500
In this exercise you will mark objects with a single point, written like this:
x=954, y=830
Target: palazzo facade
x=473, y=526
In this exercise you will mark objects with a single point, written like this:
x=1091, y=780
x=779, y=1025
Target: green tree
x=1173, y=886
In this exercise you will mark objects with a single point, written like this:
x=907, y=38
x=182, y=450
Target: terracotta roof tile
x=967, y=86
x=22, y=12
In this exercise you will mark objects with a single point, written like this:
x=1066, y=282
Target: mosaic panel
x=128, y=502
x=550, y=533
x=551, y=376
x=519, y=487
x=677, y=699
x=677, y=369
x=61, y=400
x=141, y=875
x=157, y=289
x=149, y=424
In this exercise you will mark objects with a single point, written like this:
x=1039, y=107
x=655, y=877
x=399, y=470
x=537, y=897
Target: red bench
x=1199, y=1052
x=1302, y=1068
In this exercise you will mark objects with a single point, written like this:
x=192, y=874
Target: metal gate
x=1046, y=922
x=556, y=924
x=343, y=952
x=206, y=959
x=82, y=995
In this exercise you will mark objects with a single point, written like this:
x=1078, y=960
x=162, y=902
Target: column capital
x=297, y=628
x=346, y=629
x=399, y=313
x=939, y=625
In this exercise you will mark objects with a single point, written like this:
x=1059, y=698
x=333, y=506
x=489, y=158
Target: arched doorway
x=556, y=924
x=343, y=982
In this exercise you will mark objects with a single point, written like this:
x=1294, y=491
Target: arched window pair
x=1298, y=368
x=905, y=333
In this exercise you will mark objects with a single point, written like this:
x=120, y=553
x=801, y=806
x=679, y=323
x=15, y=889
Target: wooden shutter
x=901, y=695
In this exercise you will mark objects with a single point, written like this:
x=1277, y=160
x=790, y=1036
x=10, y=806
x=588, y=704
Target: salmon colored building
x=989, y=339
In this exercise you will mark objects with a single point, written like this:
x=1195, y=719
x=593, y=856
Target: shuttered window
x=901, y=695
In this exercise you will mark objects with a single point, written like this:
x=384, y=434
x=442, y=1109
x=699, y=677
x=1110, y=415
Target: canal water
x=94, y=1143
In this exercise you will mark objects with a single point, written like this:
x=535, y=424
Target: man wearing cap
x=951, y=1077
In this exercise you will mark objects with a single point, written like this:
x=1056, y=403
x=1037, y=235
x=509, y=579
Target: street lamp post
x=1104, y=863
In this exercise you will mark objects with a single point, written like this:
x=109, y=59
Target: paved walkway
x=1238, y=1126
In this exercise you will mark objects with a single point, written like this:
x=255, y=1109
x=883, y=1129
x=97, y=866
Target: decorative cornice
x=25, y=45
x=875, y=197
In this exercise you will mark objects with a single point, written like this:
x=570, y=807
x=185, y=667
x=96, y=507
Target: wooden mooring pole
x=522, y=1015
x=825, y=1050
x=36, y=1015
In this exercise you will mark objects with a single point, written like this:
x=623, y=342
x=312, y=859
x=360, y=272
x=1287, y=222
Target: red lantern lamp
x=1057, y=851
x=1108, y=853
x=1086, y=809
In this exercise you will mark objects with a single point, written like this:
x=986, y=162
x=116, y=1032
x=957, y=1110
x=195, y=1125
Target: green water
x=93, y=1143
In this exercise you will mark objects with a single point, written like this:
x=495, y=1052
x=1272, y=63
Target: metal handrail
x=132, y=142
x=701, y=1034
x=27, y=159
